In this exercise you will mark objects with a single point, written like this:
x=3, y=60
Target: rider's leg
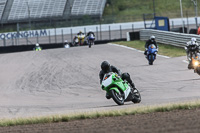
x=126, y=76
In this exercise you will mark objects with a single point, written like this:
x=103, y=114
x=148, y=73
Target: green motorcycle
x=37, y=49
x=119, y=90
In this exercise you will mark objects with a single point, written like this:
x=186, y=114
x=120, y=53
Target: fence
x=166, y=37
x=59, y=35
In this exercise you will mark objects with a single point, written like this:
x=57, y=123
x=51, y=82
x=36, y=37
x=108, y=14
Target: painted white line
x=135, y=49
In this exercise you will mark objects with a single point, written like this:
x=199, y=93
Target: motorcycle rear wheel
x=117, y=97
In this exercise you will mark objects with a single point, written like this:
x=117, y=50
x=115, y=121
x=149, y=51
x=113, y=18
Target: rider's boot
x=145, y=52
x=133, y=86
x=108, y=96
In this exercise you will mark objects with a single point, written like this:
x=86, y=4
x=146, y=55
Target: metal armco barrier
x=167, y=37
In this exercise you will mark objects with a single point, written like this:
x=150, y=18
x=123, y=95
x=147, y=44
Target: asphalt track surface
x=61, y=81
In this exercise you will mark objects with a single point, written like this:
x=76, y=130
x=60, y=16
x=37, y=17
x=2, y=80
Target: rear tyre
x=137, y=96
x=117, y=97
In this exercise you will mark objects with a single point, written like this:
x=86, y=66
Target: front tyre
x=137, y=96
x=90, y=43
x=198, y=70
x=117, y=97
x=151, y=59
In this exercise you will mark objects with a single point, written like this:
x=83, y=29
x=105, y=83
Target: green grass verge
x=167, y=50
x=127, y=10
x=90, y=115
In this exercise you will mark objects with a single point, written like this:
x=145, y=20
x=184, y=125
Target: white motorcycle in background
x=91, y=39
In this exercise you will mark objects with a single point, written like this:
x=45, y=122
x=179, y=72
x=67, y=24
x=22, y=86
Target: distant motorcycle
x=75, y=41
x=37, y=49
x=91, y=39
x=119, y=90
x=191, y=55
x=81, y=39
x=151, y=53
x=196, y=64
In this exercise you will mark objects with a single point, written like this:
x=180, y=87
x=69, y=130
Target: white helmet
x=193, y=40
x=37, y=44
x=90, y=30
x=152, y=38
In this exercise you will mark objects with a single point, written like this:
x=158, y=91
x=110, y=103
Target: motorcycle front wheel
x=151, y=59
x=90, y=44
x=137, y=96
x=117, y=97
x=198, y=70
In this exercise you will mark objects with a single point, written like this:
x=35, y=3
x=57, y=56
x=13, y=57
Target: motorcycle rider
x=80, y=33
x=149, y=42
x=66, y=45
x=106, y=68
x=37, y=46
x=75, y=43
x=88, y=34
x=192, y=45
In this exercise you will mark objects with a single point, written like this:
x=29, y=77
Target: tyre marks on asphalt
x=66, y=80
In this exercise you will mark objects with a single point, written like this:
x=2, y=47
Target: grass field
x=134, y=9
x=91, y=115
x=164, y=49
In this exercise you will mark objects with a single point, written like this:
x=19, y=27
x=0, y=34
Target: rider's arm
x=93, y=34
x=156, y=45
x=101, y=74
x=187, y=44
x=114, y=69
x=146, y=45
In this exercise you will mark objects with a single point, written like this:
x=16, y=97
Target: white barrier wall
x=168, y=37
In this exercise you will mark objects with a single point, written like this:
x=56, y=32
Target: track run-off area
x=62, y=81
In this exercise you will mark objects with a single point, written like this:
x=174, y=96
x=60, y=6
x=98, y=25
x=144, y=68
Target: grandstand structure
x=2, y=7
x=14, y=11
x=88, y=7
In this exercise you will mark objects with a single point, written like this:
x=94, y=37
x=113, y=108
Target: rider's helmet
x=105, y=66
x=37, y=45
x=80, y=31
x=193, y=40
x=152, y=38
x=90, y=30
